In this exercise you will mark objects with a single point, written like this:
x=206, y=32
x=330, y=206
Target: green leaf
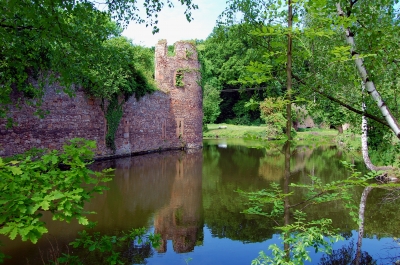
x=83, y=220
x=13, y=233
x=45, y=205
x=16, y=170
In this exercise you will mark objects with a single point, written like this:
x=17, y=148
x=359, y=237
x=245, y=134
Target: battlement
x=178, y=70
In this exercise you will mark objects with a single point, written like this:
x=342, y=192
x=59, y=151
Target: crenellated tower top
x=171, y=70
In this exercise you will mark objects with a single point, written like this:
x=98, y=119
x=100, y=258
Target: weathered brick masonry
x=167, y=119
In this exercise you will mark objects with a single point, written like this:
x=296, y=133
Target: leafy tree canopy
x=323, y=67
x=71, y=42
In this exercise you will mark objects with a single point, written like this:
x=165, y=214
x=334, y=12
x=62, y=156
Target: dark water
x=189, y=198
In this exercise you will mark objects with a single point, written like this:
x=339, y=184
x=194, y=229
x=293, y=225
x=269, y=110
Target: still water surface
x=190, y=199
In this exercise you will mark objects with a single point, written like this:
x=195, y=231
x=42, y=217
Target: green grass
x=233, y=131
x=312, y=136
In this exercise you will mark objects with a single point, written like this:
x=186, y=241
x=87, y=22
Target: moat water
x=191, y=200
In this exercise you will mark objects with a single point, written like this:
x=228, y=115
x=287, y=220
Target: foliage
x=272, y=112
x=124, y=70
x=211, y=88
x=179, y=79
x=3, y=257
x=326, y=112
x=302, y=234
x=107, y=249
x=171, y=49
x=321, y=61
x=211, y=101
x=72, y=43
x=243, y=115
x=58, y=182
x=383, y=148
x=223, y=57
x=113, y=115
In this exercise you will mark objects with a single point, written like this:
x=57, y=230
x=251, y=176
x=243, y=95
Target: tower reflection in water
x=181, y=219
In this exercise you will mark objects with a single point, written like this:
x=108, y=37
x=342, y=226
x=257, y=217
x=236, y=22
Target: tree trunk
x=364, y=144
x=288, y=124
x=367, y=82
x=289, y=73
x=286, y=184
x=361, y=212
x=364, y=140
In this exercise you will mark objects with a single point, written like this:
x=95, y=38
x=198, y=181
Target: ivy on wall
x=113, y=116
x=179, y=76
x=125, y=70
x=138, y=85
x=179, y=79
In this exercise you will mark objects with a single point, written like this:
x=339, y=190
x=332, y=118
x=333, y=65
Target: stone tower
x=179, y=76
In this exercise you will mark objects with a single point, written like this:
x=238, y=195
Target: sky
x=174, y=26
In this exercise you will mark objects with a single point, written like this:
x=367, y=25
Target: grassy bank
x=233, y=131
x=313, y=136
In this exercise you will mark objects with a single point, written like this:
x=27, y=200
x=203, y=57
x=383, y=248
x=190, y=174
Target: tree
x=224, y=55
x=319, y=21
x=322, y=63
x=59, y=40
x=267, y=70
x=272, y=112
x=211, y=101
x=211, y=87
x=289, y=70
x=369, y=84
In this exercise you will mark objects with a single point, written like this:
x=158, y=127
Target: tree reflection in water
x=181, y=195
x=345, y=256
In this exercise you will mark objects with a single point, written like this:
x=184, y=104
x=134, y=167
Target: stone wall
x=68, y=118
x=167, y=119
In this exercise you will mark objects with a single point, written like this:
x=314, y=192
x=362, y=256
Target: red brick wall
x=69, y=117
x=148, y=124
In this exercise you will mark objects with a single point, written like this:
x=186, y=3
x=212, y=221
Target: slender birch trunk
x=364, y=140
x=364, y=143
x=370, y=86
x=361, y=212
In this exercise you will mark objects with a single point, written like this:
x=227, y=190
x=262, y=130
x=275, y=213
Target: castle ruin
x=170, y=118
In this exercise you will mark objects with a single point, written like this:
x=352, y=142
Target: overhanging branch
x=341, y=103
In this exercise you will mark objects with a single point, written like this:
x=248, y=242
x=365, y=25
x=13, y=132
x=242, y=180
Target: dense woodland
x=245, y=73
x=264, y=62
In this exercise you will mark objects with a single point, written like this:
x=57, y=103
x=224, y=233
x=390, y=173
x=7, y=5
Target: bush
x=39, y=183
